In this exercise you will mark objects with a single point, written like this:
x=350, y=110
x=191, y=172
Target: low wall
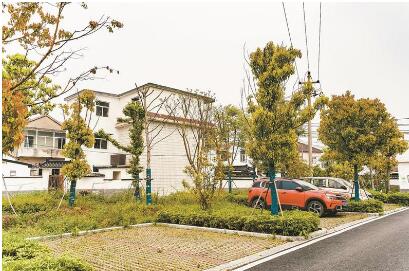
x=25, y=184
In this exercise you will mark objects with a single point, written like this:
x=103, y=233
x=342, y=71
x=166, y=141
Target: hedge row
x=400, y=198
x=292, y=223
x=364, y=206
x=24, y=255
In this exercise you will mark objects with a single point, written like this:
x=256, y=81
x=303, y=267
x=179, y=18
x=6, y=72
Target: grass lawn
x=38, y=214
x=159, y=248
x=340, y=218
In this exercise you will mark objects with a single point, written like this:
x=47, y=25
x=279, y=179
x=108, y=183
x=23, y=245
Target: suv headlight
x=331, y=196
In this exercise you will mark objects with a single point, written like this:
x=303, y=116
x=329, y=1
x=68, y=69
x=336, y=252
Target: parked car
x=337, y=185
x=296, y=194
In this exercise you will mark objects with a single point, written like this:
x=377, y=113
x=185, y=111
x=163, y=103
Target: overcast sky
x=364, y=46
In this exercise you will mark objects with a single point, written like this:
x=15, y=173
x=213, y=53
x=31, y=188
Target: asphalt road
x=379, y=245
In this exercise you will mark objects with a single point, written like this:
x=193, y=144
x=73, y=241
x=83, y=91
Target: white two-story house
x=168, y=159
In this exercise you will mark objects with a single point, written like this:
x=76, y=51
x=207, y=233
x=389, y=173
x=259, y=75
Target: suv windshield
x=307, y=185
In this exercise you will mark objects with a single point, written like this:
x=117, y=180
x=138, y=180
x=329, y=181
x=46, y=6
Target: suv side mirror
x=344, y=187
x=299, y=189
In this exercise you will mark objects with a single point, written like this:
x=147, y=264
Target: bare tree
x=154, y=102
x=193, y=115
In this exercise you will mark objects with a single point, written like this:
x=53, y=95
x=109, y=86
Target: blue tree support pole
x=274, y=196
x=148, y=187
x=230, y=188
x=356, y=182
x=71, y=198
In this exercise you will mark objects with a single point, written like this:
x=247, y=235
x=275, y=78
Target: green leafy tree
x=356, y=130
x=134, y=117
x=35, y=30
x=275, y=121
x=228, y=140
x=79, y=134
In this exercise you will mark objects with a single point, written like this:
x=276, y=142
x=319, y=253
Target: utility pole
x=309, y=89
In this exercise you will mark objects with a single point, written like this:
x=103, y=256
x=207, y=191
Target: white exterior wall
x=403, y=170
x=21, y=170
x=168, y=159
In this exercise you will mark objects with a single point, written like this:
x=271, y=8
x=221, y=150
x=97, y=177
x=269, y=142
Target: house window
x=12, y=173
x=55, y=171
x=59, y=142
x=116, y=175
x=242, y=156
x=45, y=139
x=100, y=143
x=29, y=139
x=102, y=108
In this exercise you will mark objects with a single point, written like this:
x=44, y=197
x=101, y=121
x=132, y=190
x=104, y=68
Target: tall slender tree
x=135, y=118
x=79, y=134
x=274, y=120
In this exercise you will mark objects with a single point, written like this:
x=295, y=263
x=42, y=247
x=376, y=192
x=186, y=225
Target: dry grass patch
x=390, y=206
x=159, y=248
x=340, y=218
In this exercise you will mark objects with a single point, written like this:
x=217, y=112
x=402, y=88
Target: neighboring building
x=243, y=159
x=316, y=153
x=43, y=140
x=403, y=172
x=17, y=177
x=168, y=160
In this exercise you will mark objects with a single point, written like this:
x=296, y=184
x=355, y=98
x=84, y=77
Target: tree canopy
x=36, y=48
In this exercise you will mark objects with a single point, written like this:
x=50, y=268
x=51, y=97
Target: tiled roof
x=53, y=164
x=304, y=148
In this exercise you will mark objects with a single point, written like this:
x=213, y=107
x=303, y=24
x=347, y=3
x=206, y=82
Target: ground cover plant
x=21, y=255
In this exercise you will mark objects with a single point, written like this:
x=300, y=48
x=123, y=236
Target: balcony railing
x=39, y=152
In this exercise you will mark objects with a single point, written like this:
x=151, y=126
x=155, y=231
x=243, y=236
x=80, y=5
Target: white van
x=336, y=185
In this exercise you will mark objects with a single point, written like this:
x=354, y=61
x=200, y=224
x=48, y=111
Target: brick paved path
x=159, y=248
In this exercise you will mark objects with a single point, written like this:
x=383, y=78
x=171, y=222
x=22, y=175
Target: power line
x=319, y=45
x=306, y=39
x=291, y=41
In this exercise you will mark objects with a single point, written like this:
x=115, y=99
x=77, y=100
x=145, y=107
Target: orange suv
x=296, y=194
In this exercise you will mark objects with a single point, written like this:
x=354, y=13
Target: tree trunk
x=274, y=196
x=230, y=180
x=387, y=181
x=356, y=182
x=372, y=181
x=71, y=198
x=137, y=193
x=148, y=157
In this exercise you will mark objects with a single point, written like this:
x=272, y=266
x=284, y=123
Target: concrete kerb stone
x=241, y=233
x=80, y=233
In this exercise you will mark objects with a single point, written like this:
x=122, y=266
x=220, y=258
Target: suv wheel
x=259, y=205
x=316, y=207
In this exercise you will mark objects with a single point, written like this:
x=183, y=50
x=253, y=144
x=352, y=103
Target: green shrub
x=364, y=206
x=400, y=198
x=31, y=202
x=379, y=196
x=292, y=223
x=20, y=254
x=49, y=263
x=237, y=198
x=15, y=248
